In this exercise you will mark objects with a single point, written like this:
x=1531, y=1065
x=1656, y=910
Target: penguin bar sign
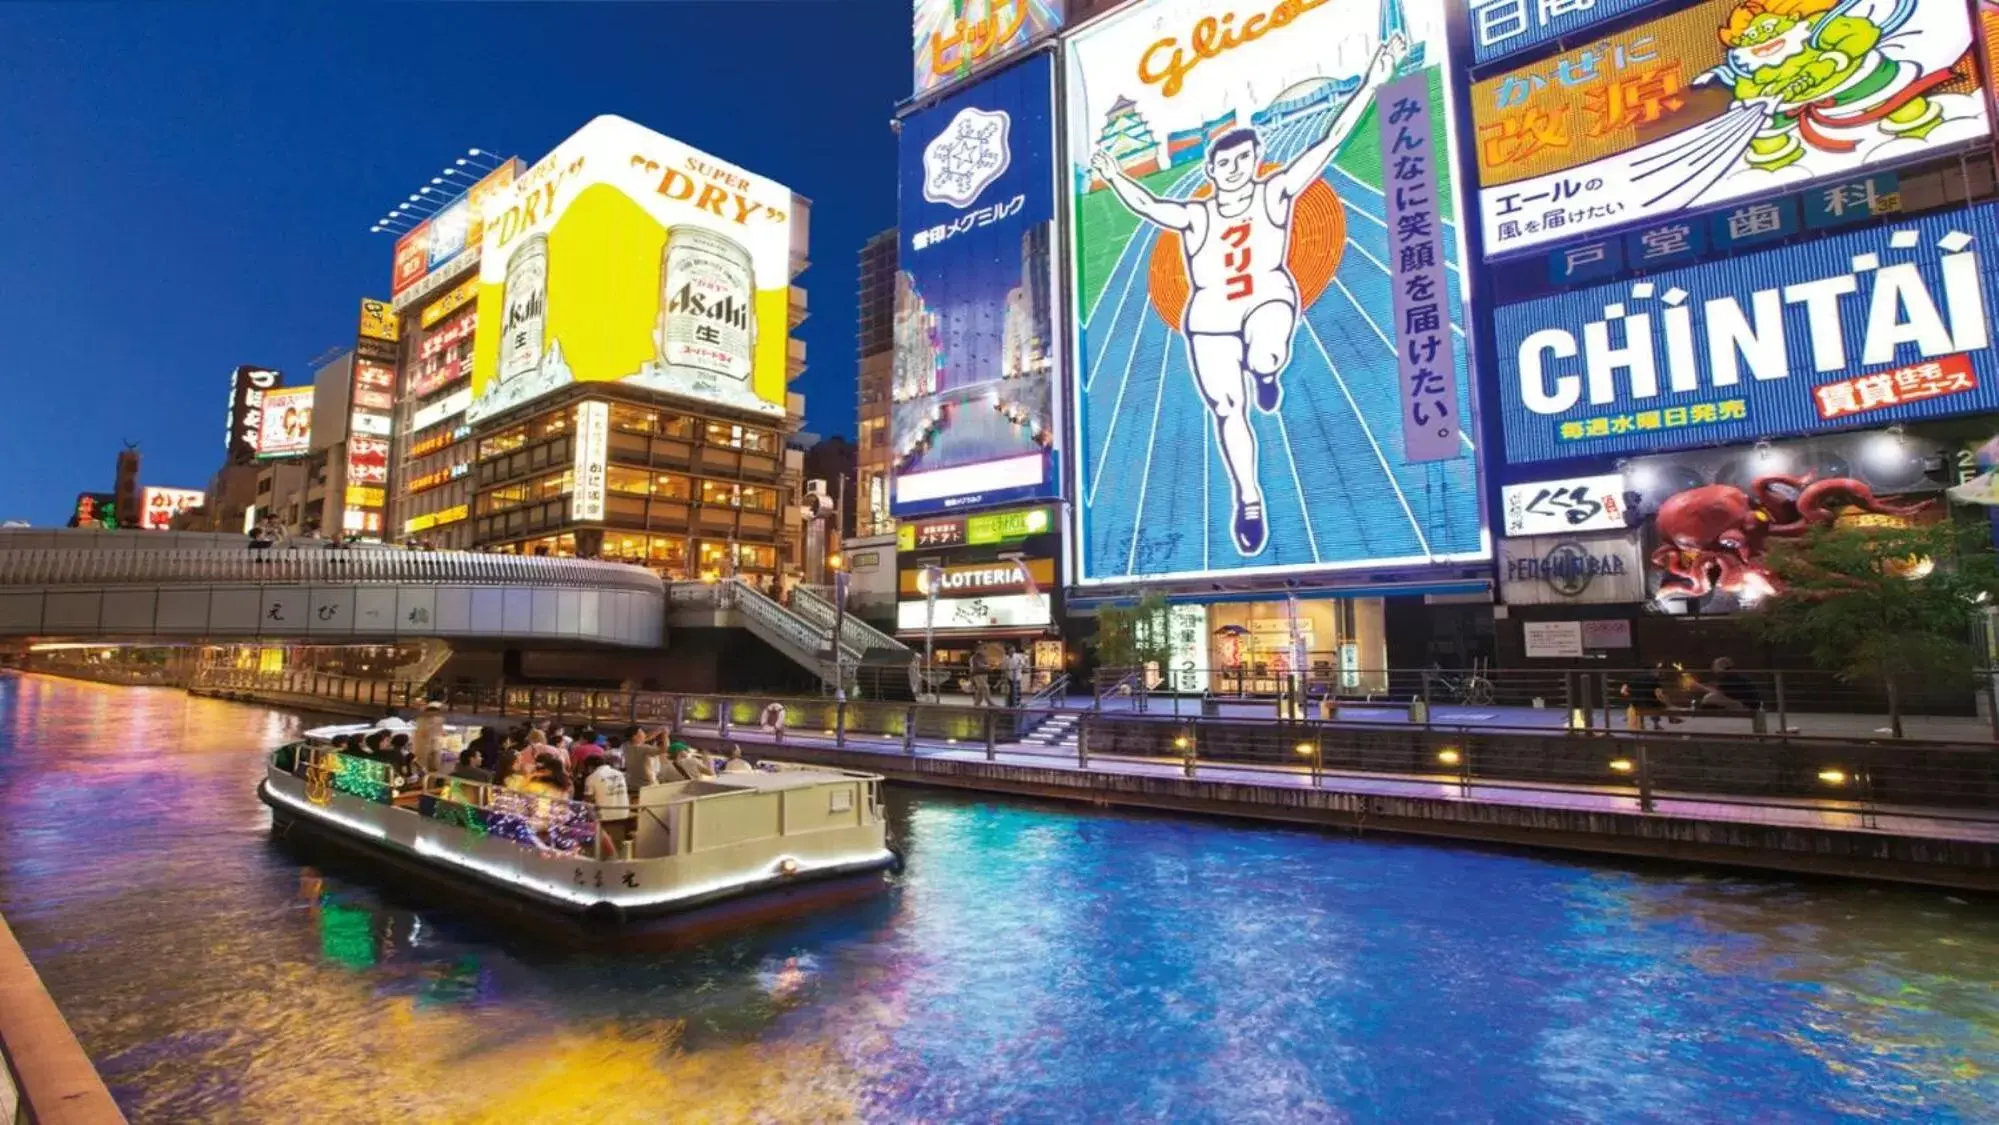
x=1889, y=324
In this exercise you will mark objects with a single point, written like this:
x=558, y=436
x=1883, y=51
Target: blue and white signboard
x=1888, y=324
x=976, y=351
x=1505, y=27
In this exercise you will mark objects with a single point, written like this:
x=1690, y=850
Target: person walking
x=1016, y=675
x=981, y=684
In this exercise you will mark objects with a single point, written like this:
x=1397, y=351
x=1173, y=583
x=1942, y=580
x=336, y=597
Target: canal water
x=1034, y=963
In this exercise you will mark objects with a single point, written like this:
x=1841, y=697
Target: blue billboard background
x=973, y=421
x=1500, y=28
x=1888, y=324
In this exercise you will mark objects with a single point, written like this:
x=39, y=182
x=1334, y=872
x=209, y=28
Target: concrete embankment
x=46, y=1079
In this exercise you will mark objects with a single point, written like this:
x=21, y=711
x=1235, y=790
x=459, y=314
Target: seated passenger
x=550, y=779
x=471, y=767
x=736, y=763
x=692, y=764
x=506, y=769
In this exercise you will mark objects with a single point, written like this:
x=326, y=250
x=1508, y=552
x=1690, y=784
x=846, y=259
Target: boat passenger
x=506, y=768
x=428, y=741
x=486, y=745
x=471, y=767
x=605, y=788
x=588, y=757
x=692, y=764
x=550, y=779
x=539, y=744
x=737, y=763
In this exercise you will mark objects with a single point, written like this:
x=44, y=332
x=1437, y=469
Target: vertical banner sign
x=246, y=411
x=973, y=423
x=1416, y=273
x=1241, y=400
x=593, y=433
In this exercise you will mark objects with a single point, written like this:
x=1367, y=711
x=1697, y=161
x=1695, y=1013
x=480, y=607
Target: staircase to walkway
x=1057, y=731
x=803, y=632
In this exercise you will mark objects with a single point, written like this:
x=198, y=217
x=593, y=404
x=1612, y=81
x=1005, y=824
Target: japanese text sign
x=952, y=37
x=1419, y=290
x=1557, y=507
x=1887, y=324
x=1725, y=100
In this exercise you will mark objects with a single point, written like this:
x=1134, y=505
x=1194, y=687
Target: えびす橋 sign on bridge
x=1243, y=392
x=1888, y=324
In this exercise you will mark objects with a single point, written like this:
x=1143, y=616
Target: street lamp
x=932, y=578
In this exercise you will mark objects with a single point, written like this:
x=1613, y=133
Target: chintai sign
x=1889, y=324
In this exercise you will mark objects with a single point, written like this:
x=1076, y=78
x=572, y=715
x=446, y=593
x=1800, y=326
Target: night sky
x=189, y=186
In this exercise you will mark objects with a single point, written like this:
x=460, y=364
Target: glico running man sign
x=975, y=342
x=1890, y=324
x=1267, y=287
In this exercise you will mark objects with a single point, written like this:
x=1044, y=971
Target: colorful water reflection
x=1037, y=963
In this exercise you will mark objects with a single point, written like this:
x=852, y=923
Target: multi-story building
x=875, y=354
x=641, y=424
x=435, y=289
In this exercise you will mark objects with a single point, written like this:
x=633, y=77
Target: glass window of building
x=710, y=555
x=558, y=546
x=555, y=484
x=504, y=442
x=633, y=419
x=751, y=556
x=733, y=436
x=671, y=487
x=551, y=425
x=623, y=547
x=501, y=499
x=631, y=482
x=666, y=551
x=721, y=494
x=757, y=499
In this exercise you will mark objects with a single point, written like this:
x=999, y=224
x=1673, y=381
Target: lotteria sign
x=1889, y=324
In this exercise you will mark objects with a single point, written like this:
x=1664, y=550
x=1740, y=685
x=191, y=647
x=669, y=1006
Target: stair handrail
x=855, y=633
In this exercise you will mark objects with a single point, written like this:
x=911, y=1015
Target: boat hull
x=588, y=900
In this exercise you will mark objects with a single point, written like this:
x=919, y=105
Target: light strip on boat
x=324, y=813
x=428, y=848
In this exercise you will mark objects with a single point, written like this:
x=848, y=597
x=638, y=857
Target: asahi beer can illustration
x=707, y=318
x=525, y=300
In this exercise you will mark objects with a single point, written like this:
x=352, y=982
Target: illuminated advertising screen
x=159, y=506
x=1724, y=100
x=1888, y=324
x=247, y=388
x=1712, y=516
x=954, y=36
x=95, y=509
x=433, y=243
x=286, y=427
x=975, y=343
x=1271, y=375
x=1506, y=27
x=627, y=256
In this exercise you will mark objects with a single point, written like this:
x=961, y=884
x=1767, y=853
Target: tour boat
x=693, y=855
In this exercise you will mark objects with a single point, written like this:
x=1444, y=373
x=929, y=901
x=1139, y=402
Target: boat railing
x=540, y=822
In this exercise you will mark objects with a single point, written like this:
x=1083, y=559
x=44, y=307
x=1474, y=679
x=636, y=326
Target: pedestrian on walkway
x=1016, y=675
x=981, y=682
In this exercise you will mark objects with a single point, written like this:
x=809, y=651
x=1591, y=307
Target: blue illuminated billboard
x=1271, y=361
x=1888, y=324
x=1500, y=28
x=976, y=352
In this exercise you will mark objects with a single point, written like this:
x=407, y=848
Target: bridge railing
x=1668, y=772
x=280, y=565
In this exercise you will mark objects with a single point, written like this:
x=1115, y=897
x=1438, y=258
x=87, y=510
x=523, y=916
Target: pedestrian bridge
x=149, y=585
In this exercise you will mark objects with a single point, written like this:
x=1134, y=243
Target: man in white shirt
x=605, y=787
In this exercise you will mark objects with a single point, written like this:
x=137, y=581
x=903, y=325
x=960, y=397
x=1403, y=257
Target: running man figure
x=1242, y=304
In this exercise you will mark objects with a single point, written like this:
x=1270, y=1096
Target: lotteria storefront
x=1662, y=432
x=969, y=582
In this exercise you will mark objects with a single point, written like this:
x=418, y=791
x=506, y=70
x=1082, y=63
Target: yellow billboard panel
x=378, y=320
x=627, y=256
x=1720, y=101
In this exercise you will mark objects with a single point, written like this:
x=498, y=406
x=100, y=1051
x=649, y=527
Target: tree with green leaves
x=1884, y=604
x=1131, y=636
